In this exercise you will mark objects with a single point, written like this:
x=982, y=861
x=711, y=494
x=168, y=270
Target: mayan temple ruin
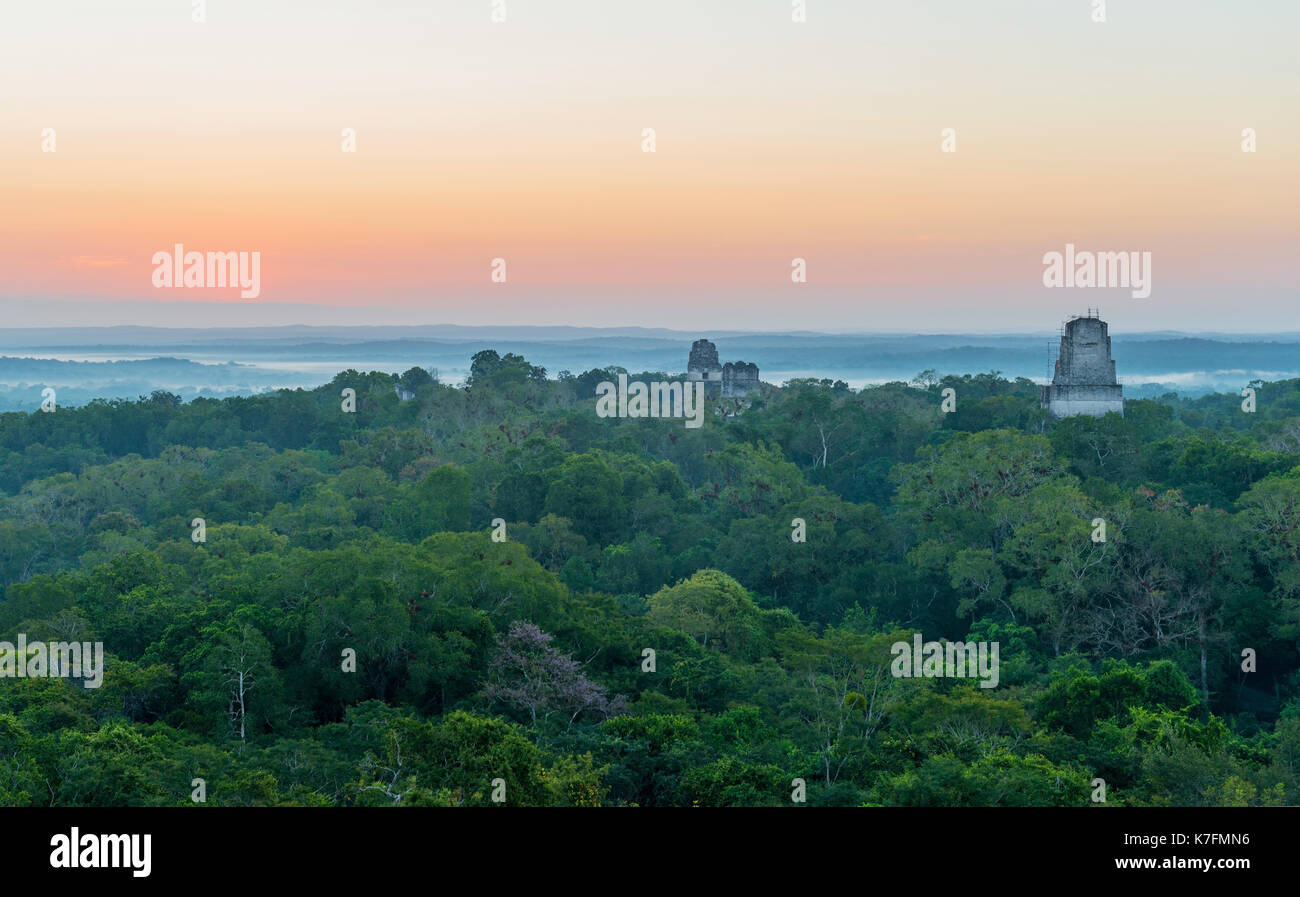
x=732, y=380
x=1084, y=381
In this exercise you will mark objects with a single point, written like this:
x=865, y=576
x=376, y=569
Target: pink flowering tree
x=529, y=675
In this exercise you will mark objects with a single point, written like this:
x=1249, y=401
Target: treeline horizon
x=1149, y=365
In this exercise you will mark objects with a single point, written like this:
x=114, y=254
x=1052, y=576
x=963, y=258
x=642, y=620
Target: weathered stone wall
x=1067, y=401
x=1084, y=381
x=703, y=362
x=739, y=378
x=1085, y=355
x=735, y=379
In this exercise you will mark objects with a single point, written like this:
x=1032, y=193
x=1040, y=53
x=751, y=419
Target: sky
x=774, y=140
